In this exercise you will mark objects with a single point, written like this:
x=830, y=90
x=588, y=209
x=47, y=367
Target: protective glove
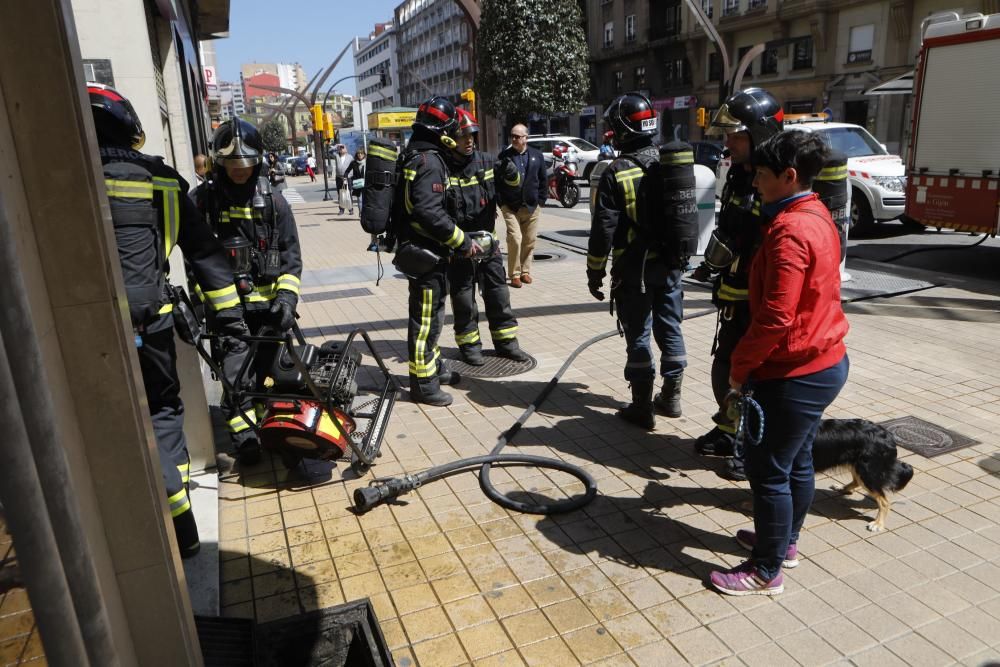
x=703, y=273
x=283, y=309
x=229, y=322
x=595, y=281
x=474, y=249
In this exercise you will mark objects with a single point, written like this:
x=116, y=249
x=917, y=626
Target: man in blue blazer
x=520, y=201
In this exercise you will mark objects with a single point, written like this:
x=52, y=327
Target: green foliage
x=272, y=133
x=531, y=57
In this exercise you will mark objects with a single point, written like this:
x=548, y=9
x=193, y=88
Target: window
x=640, y=76
x=706, y=6
x=672, y=24
x=739, y=58
x=799, y=106
x=803, y=53
x=756, y=4
x=630, y=28
x=676, y=72
x=731, y=7
x=860, y=48
x=769, y=61
x=609, y=34
x=618, y=81
x=98, y=71
x=714, y=67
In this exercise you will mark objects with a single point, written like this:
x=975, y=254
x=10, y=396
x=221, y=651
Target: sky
x=310, y=33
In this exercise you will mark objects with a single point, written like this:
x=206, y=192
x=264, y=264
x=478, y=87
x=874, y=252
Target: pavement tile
x=505, y=659
x=443, y=651
x=549, y=653
x=738, y=633
x=642, y=593
x=774, y=620
x=549, y=591
x=469, y=611
x=951, y=638
x=529, y=627
x=844, y=636
x=916, y=651
x=708, y=606
x=569, y=615
x=699, y=646
x=911, y=611
x=878, y=656
x=878, y=623
x=808, y=648
x=591, y=644
x=608, y=603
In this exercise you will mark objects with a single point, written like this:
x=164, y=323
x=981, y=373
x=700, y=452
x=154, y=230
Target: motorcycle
x=562, y=179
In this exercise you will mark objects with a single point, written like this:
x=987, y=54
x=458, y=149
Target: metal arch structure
x=471, y=10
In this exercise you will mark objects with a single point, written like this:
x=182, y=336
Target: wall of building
x=434, y=53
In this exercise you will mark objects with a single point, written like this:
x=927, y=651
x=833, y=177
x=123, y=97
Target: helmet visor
x=724, y=123
x=238, y=152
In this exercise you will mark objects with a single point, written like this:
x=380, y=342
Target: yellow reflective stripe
x=380, y=152
x=456, y=239
x=516, y=181
x=596, y=263
x=467, y=338
x=161, y=183
x=407, y=202
x=453, y=180
x=128, y=189
x=681, y=157
x=237, y=424
x=426, y=369
x=219, y=299
x=241, y=212
x=488, y=175
x=616, y=253
x=287, y=281
x=727, y=428
x=627, y=174
x=728, y=293
x=185, y=470
x=504, y=334
x=628, y=186
x=418, y=365
x=409, y=174
x=832, y=173
x=179, y=503
x=166, y=308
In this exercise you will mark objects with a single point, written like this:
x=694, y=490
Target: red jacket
x=798, y=325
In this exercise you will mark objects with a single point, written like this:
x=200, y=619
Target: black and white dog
x=869, y=452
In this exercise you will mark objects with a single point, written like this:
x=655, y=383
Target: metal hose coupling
x=383, y=490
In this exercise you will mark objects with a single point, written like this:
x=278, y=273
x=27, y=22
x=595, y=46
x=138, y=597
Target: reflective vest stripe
x=128, y=189
x=287, y=281
x=680, y=158
x=488, y=175
x=166, y=308
x=219, y=299
x=504, y=334
x=380, y=152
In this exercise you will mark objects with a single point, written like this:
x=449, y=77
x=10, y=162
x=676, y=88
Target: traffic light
x=470, y=97
x=328, y=125
x=317, y=117
x=702, y=117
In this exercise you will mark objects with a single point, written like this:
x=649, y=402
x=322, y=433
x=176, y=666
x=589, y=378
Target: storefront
x=392, y=123
x=675, y=112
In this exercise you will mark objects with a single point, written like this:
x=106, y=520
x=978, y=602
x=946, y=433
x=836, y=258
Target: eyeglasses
x=518, y=136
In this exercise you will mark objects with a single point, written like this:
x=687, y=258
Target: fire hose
x=388, y=488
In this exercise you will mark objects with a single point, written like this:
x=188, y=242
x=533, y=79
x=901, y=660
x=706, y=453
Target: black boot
x=186, y=530
x=472, y=354
x=246, y=450
x=734, y=470
x=447, y=376
x=640, y=410
x=509, y=349
x=668, y=401
x=429, y=396
x=715, y=443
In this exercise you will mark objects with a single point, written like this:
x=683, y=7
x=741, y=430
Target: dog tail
x=902, y=474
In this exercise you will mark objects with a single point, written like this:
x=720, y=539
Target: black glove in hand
x=229, y=322
x=283, y=310
x=703, y=273
x=595, y=281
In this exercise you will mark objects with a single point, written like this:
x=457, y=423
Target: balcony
x=731, y=8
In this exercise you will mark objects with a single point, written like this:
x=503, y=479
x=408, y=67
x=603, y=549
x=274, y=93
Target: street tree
x=272, y=133
x=531, y=57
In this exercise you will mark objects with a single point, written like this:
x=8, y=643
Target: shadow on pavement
x=954, y=309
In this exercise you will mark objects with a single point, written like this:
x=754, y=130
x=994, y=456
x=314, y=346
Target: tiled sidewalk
x=455, y=579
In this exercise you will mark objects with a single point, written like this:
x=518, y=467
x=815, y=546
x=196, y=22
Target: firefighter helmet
x=754, y=111
x=437, y=115
x=630, y=117
x=237, y=143
x=114, y=117
x=466, y=124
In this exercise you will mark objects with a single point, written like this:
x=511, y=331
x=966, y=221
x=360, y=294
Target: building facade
x=373, y=55
x=434, y=50
x=232, y=100
x=290, y=75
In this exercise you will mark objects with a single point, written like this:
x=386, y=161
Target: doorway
x=856, y=112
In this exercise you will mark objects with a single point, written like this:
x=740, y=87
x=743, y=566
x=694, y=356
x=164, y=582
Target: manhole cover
x=495, y=367
x=332, y=295
x=925, y=438
x=547, y=256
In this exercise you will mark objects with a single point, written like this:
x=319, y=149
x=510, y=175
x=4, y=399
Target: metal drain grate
x=924, y=438
x=870, y=284
x=495, y=367
x=312, y=297
x=225, y=642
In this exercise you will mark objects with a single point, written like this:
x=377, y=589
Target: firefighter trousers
x=231, y=354
x=426, y=305
x=465, y=277
x=158, y=363
x=657, y=310
x=734, y=320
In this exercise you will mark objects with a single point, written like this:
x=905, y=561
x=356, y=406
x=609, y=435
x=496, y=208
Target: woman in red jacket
x=792, y=356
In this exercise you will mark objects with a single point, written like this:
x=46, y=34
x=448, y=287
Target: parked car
x=708, y=153
x=587, y=153
x=296, y=166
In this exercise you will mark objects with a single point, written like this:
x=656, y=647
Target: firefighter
x=242, y=208
x=645, y=283
x=746, y=120
x=152, y=213
x=472, y=202
x=429, y=236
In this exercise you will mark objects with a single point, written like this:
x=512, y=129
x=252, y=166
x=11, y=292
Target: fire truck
x=953, y=167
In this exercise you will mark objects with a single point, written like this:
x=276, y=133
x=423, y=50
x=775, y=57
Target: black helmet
x=115, y=119
x=437, y=115
x=754, y=111
x=630, y=117
x=237, y=143
x=466, y=125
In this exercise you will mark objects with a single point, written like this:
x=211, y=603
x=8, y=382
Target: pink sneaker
x=744, y=580
x=748, y=540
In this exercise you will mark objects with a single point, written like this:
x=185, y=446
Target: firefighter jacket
x=740, y=221
x=152, y=213
x=269, y=228
x=425, y=219
x=472, y=194
x=614, y=229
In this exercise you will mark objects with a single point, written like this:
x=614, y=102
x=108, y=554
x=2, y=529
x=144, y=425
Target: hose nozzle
x=372, y=496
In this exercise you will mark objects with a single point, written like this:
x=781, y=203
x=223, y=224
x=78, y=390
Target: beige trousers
x=522, y=227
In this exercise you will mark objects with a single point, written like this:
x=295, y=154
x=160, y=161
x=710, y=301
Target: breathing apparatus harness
x=259, y=255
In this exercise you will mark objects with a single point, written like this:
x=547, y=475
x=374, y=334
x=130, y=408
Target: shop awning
x=900, y=85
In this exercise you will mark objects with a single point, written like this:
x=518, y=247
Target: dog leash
x=745, y=405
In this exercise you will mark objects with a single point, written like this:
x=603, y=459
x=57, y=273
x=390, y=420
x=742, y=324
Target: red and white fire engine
x=954, y=158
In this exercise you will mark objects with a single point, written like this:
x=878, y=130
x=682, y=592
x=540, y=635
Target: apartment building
x=434, y=50
x=373, y=55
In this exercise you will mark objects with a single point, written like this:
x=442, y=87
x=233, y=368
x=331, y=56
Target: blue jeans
x=659, y=310
x=780, y=468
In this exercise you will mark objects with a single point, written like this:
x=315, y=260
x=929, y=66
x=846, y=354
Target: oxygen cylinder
x=380, y=185
x=680, y=203
x=834, y=191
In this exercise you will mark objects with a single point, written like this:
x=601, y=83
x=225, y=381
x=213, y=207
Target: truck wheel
x=861, y=212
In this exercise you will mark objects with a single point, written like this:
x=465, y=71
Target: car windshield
x=583, y=145
x=851, y=141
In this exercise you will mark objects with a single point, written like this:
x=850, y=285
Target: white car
x=587, y=153
x=877, y=178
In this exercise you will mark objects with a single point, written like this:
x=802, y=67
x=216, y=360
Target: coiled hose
x=385, y=489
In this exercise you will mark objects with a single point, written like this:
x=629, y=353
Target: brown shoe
x=526, y=278
x=515, y=282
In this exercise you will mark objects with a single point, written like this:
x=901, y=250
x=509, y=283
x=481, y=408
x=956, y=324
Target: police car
x=877, y=178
